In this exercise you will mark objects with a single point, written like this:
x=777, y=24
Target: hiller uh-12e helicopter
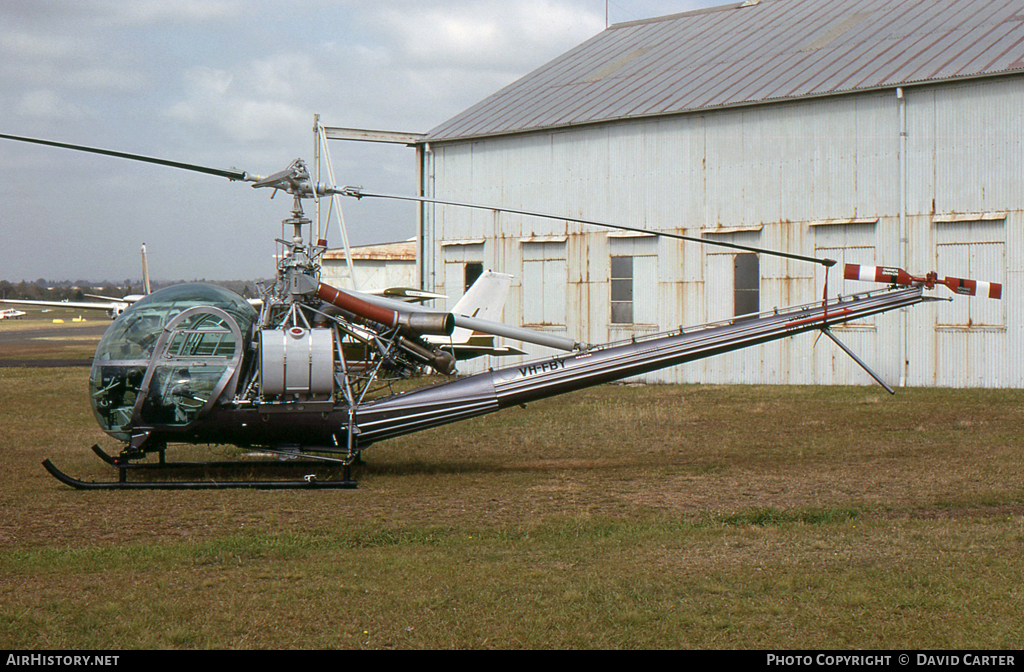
x=197, y=364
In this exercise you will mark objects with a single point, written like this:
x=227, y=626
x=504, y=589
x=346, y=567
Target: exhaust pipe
x=412, y=324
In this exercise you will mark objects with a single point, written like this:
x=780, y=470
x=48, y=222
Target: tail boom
x=513, y=385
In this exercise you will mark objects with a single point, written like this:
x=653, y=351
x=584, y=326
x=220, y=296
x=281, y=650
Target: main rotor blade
x=359, y=193
x=230, y=174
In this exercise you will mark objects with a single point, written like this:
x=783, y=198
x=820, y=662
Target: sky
x=236, y=84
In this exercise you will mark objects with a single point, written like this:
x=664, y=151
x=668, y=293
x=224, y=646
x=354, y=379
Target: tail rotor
x=897, y=276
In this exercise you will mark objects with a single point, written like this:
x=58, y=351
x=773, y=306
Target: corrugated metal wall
x=820, y=177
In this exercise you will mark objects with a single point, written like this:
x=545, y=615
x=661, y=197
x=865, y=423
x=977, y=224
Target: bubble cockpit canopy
x=198, y=333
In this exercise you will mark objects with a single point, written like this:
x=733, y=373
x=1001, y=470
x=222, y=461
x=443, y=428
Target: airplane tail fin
x=485, y=299
x=145, y=271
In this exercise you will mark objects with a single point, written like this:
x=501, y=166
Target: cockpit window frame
x=228, y=379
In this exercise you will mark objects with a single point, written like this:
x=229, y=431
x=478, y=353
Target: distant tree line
x=51, y=290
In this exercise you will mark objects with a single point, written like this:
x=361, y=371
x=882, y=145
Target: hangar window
x=463, y=264
x=633, y=274
x=732, y=281
x=975, y=250
x=474, y=269
x=544, y=283
x=622, y=290
x=746, y=284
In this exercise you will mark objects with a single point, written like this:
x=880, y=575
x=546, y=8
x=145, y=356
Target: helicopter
x=198, y=364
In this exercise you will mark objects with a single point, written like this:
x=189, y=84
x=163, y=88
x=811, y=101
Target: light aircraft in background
x=112, y=305
x=484, y=300
x=403, y=294
x=12, y=313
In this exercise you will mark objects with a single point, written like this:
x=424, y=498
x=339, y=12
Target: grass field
x=69, y=341
x=618, y=517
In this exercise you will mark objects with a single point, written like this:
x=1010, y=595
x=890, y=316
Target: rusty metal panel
x=985, y=367
x=1013, y=290
x=972, y=336
x=977, y=145
x=974, y=260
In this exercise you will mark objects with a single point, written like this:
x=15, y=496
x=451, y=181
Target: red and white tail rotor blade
x=886, y=274
x=897, y=276
x=992, y=290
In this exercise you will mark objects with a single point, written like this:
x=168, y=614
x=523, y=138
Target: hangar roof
x=400, y=251
x=754, y=52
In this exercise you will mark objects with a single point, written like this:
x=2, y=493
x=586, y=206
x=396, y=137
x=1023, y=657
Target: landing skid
x=122, y=463
x=307, y=482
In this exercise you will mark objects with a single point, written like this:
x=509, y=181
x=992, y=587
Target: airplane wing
x=131, y=298
x=479, y=345
x=403, y=293
x=84, y=305
x=113, y=305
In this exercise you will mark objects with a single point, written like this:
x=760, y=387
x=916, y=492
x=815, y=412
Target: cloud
x=31, y=46
x=47, y=104
x=411, y=65
x=470, y=36
x=47, y=57
x=98, y=14
x=242, y=105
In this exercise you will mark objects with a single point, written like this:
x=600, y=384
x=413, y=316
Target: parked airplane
x=483, y=300
x=480, y=306
x=11, y=313
x=113, y=305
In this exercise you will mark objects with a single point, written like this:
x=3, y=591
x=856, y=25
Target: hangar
x=375, y=266
x=879, y=132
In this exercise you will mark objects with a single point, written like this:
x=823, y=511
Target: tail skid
x=860, y=362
